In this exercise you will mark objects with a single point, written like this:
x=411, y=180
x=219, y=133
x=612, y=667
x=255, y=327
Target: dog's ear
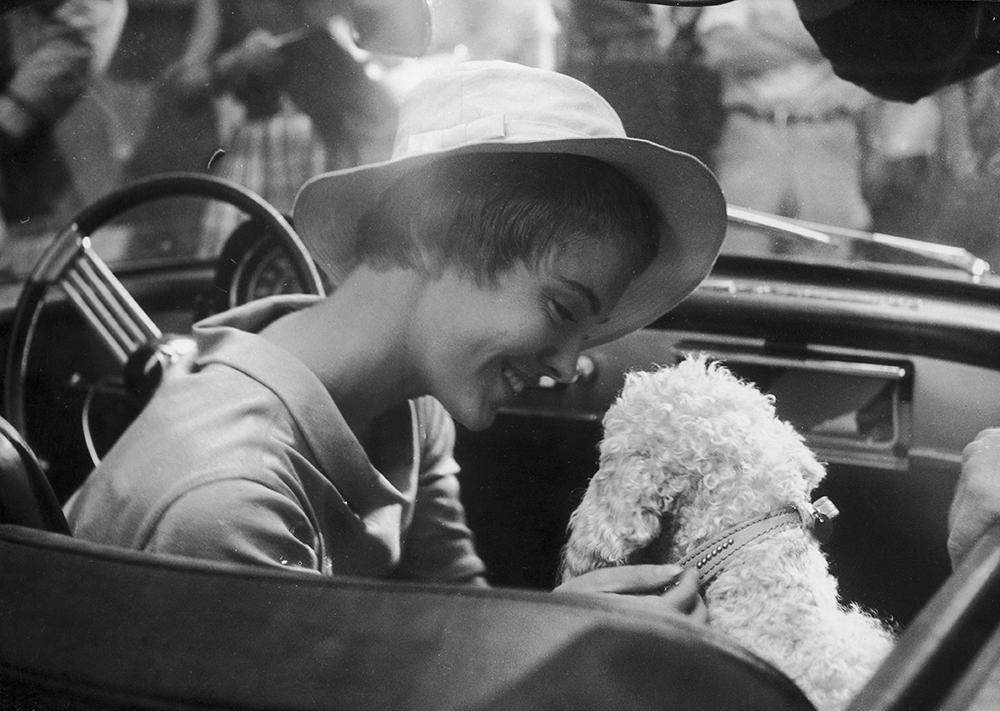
x=619, y=517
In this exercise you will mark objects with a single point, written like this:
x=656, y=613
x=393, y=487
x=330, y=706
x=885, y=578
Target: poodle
x=696, y=468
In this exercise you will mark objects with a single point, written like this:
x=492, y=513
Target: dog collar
x=710, y=558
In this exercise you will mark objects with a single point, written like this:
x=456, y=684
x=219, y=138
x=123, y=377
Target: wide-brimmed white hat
x=500, y=107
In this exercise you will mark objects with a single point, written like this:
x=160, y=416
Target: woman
x=514, y=225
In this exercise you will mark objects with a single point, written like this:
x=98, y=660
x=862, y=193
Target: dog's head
x=688, y=451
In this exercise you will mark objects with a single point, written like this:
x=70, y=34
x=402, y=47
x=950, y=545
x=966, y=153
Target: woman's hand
x=976, y=505
x=658, y=588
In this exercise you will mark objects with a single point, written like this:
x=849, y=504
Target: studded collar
x=711, y=557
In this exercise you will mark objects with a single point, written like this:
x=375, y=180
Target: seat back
x=26, y=497
x=88, y=626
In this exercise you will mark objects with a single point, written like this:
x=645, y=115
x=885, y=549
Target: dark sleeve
x=903, y=50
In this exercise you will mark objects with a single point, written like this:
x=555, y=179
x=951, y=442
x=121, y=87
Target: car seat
x=26, y=497
x=89, y=626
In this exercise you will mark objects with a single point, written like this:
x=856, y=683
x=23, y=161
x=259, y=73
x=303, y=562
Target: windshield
x=268, y=93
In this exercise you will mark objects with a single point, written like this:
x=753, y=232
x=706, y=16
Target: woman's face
x=482, y=345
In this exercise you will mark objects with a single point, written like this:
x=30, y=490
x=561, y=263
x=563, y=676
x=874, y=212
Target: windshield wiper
x=941, y=253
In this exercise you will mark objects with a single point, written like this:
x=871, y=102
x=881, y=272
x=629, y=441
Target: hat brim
x=329, y=206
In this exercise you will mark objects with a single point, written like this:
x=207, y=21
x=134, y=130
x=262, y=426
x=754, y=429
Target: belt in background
x=784, y=117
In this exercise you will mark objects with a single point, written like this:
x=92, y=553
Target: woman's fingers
x=625, y=580
x=684, y=597
x=659, y=588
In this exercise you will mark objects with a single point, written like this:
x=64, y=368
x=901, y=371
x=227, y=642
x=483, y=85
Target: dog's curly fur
x=690, y=450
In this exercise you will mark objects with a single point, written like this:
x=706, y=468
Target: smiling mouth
x=516, y=382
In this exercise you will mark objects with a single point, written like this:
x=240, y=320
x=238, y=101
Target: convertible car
x=882, y=348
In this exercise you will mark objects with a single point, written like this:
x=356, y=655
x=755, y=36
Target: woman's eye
x=562, y=313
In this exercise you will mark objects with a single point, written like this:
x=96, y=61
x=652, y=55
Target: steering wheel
x=136, y=343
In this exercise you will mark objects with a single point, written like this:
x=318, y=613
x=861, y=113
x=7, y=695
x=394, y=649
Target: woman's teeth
x=516, y=383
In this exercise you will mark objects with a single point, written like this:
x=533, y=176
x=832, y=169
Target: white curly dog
x=696, y=468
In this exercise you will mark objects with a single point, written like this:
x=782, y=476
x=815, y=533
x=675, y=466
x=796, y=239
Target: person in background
x=49, y=51
x=600, y=32
x=514, y=224
x=791, y=143
x=522, y=31
x=967, y=211
x=933, y=168
x=901, y=165
x=294, y=97
x=647, y=61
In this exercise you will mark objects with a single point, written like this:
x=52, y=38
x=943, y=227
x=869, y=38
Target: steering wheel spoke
x=104, y=302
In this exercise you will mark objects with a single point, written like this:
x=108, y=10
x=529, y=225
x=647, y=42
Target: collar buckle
x=821, y=514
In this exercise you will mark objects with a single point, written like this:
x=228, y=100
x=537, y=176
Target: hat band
x=494, y=127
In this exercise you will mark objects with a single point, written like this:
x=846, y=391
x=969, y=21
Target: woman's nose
x=560, y=362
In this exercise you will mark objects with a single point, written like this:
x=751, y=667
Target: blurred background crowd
x=269, y=92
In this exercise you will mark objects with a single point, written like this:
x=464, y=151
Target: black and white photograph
x=500, y=355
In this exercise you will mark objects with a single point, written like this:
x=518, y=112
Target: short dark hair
x=486, y=212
